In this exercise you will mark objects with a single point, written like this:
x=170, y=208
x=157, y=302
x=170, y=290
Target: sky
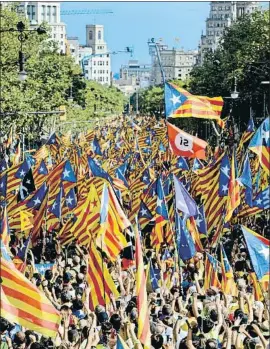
x=133, y=23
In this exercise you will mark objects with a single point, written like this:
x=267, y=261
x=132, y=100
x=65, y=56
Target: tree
x=244, y=53
x=50, y=78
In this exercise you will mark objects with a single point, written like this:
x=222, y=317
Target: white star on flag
x=37, y=201
x=265, y=252
x=175, y=99
x=22, y=173
x=198, y=221
x=225, y=170
x=225, y=188
x=159, y=202
x=143, y=212
x=69, y=200
x=259, y=201
x=66, y=173
x=265, y=135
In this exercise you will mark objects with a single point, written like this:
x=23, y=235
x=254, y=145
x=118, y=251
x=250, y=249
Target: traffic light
x=63, y=114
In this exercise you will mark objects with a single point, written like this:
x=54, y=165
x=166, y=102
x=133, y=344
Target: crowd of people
x=183, y=313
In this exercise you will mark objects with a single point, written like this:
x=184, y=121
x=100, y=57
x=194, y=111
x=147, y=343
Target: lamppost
x=22, y=37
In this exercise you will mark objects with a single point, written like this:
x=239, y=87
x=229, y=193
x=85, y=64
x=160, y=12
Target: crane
x=128, y=49
x=85, y=12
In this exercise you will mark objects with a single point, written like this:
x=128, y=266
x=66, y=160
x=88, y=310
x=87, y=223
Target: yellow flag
x=26, y=220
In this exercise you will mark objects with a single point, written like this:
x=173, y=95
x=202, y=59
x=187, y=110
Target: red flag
x=184, y=144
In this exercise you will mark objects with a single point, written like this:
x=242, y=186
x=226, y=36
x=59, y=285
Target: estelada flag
x=184, y=144
x=26, y=220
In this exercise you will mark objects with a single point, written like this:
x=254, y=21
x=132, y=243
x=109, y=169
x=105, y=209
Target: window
x=53, y=14
x=90, y=35
x=43, y=9
x=99, y=35
x=31, y=12
x=107, y=79
x=62, y=36
x=86, y=71
x=54, y=36
x=94, y=71
x=107, y=62
x=49, y=13
x=62, y=43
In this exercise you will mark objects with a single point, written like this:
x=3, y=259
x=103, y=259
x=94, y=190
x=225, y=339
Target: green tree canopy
x=51, y=77
x=244, y=53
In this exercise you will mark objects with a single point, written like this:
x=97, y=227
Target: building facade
x=94, y=56
x=136, y=72
x=40, y=12
x=222, y=14
x=176, y=64
x=98, y=66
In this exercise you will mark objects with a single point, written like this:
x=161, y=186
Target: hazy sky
x=133, y=23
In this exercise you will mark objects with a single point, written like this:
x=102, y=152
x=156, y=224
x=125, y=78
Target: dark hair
x=65, y=297
x=48, y=275
x=115, y=320
x=205, y=325
x=4, y=324
x=29, y=333
x=82, y=268
x=213, y=315
x=157, y=341
x=72, y=335
x=18, y=339
x=37, y=345
x=77, y=304
x=106, y=326
x=85, y=331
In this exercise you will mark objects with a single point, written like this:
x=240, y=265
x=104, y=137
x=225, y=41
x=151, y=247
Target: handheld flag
x=258, y=248
x=26, y=220
x=179, y=103
x=184, y=144
x=183, y=200
x=260, y=144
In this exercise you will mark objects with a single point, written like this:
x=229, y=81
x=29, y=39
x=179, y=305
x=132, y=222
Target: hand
x=32, y=339
x=176, y=295
x=9, y=341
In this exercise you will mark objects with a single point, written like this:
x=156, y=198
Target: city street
x=134, y=175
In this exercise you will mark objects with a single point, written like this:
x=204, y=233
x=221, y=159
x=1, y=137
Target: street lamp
x=235, y=93
x=22, y=37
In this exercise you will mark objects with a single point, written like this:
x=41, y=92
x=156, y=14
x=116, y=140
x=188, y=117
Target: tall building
x=176, y=63
x=222, y=14
x=39, y=12
x=99, y=64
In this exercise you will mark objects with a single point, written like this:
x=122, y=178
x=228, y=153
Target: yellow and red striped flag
x=234, y=192
x=144, y=334
x=100, y=280
x=211, y=277
x=186, y=105
x=26, y=220
x=24, y=304
x=4, y=232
